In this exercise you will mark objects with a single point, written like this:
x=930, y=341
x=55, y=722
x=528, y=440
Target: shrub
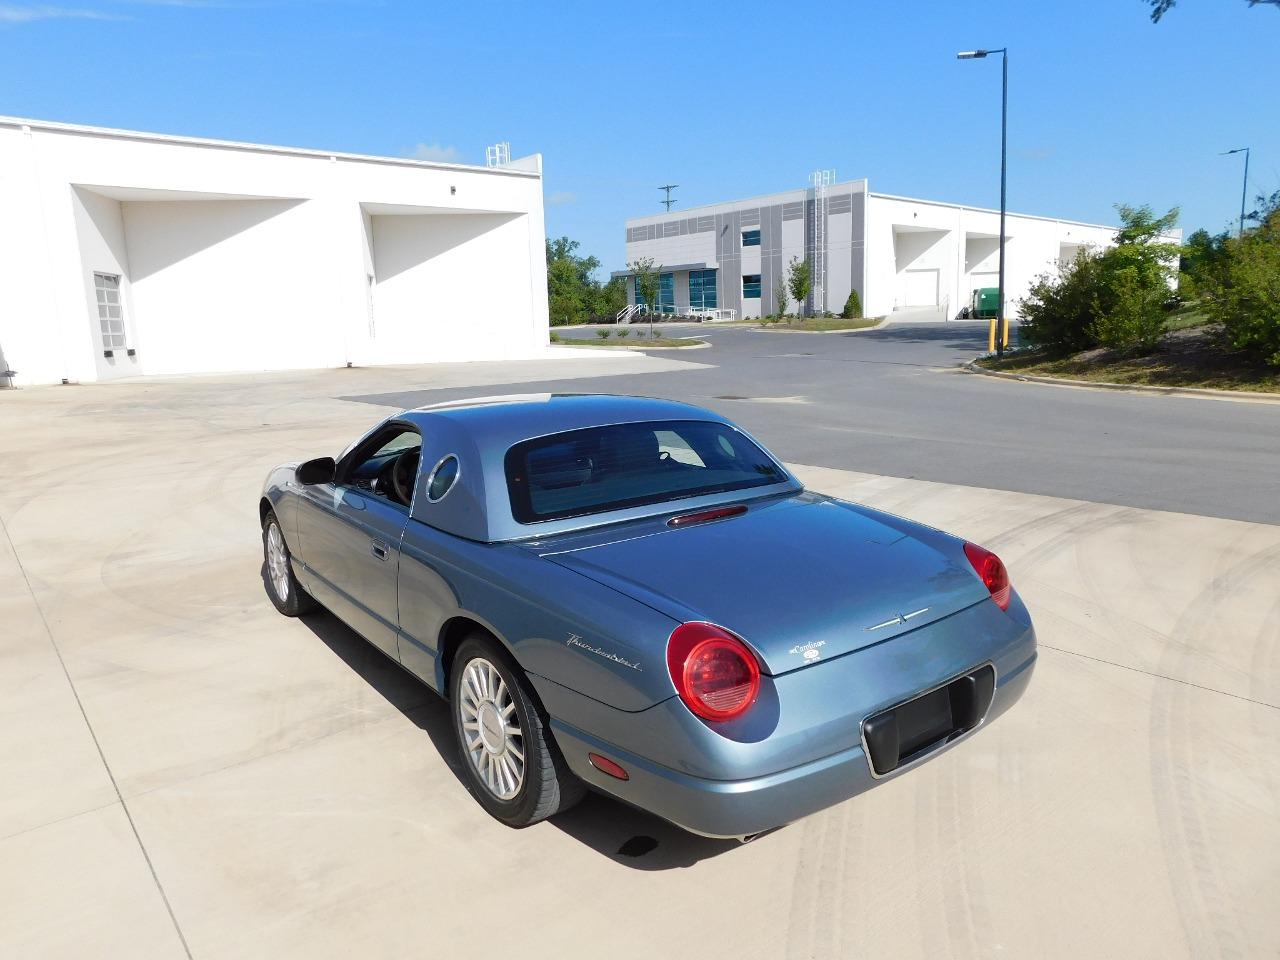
x=604, y=334
x=1128, y=312
x=1058, y=310
x=624, y=333
x=1244, y=296
x=655, y=332
x=1113, y=297
x=852, y=307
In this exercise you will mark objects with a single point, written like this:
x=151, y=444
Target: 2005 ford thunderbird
x=632, y=596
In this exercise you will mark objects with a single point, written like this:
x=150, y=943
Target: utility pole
x=1002, y=323
x=1244, y=189
x=668, y=187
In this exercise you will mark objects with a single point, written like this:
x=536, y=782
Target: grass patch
x=822, y=324
x=1186, y=317
x=811, y=324
x=1191, y=356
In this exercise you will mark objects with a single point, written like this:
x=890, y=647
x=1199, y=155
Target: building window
x=702, y=289
x=751, y=286
x=751, y=238
x=666, y=292
x=106, y=286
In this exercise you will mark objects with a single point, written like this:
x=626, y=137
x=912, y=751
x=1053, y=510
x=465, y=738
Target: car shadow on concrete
x=629, y=837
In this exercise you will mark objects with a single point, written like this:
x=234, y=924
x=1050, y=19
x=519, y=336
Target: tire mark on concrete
x=1206, y=907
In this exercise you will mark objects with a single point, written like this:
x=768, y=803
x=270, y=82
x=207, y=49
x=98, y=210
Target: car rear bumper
x=738, y=808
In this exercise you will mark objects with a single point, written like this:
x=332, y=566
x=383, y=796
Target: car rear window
x=599, y=469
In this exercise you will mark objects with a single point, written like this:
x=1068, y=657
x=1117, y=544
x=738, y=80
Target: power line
x=668, y=187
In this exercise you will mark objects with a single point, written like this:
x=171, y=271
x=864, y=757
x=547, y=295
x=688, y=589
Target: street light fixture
x=1244, y=190
x=1002, y=325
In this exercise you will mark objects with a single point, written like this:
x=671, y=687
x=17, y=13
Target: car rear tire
x=512, y=765
x=277, y=571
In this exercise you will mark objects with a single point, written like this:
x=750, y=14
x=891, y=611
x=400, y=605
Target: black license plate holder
x=911, y=730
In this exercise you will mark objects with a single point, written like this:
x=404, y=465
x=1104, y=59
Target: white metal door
x=978, y=281
x=920, y=288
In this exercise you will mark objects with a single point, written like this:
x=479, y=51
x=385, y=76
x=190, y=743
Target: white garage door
x=981, y=280
x=920, y=288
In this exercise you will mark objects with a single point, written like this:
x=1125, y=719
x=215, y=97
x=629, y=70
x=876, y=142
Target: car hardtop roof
x=510, y=419
x=482, y=431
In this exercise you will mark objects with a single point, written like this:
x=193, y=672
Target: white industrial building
x=921, y=258
x=133, y=253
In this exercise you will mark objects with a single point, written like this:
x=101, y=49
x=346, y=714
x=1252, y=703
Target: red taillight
x=991, y=571
x=715, y=673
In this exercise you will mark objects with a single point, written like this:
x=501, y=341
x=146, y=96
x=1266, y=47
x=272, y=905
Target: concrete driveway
x=188, y=773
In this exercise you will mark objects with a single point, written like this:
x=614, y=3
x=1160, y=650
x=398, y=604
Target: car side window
x=386, y=466
x=443, y=477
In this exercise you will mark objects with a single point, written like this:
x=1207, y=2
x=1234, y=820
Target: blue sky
x=727, y=100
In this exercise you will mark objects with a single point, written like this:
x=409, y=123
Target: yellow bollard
x=1005, y=338
x=991, y=336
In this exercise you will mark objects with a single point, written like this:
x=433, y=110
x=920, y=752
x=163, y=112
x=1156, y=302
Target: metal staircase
x=630, y=312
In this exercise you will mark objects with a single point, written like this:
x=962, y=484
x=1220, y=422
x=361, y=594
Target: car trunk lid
x=801, y=579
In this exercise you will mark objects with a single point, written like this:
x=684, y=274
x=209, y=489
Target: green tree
x=799, y=282
x=1114, y=297
x=1266, y=207
x=1160, y=7
x=1203, y=255
x=1128, y=311
x=1243, y=293
x=1136, y=274
x=571, y=289
x=852, y=307
x=780, y=296
x=647, y=284
x=573, y=293
x=610, y=297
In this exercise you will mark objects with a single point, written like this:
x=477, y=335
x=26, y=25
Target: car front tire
x=512, y=766
x=277, y=571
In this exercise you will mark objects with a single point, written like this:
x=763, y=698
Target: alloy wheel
x=494, y=742
x=278, y=562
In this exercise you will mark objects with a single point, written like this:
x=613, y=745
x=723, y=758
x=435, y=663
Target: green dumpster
x=985, y=303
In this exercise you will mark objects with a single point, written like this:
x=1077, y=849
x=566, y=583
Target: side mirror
x=319, y=470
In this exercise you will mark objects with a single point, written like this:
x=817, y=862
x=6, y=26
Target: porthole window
x=442, y=479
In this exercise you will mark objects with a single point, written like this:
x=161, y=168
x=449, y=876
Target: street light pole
x=1002, y=324
x=1244, y=189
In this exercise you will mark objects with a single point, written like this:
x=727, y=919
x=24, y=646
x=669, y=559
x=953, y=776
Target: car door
x=350, y=530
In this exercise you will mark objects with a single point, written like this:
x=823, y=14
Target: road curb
x=1248, y=396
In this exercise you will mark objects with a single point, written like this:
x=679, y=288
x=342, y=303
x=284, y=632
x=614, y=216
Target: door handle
x=379, y=549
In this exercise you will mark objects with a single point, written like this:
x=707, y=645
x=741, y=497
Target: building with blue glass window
x=919, y=259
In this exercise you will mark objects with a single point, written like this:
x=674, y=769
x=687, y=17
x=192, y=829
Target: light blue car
x=633, y=596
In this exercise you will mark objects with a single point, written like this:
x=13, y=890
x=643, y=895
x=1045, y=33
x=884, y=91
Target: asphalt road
x=892, y=402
